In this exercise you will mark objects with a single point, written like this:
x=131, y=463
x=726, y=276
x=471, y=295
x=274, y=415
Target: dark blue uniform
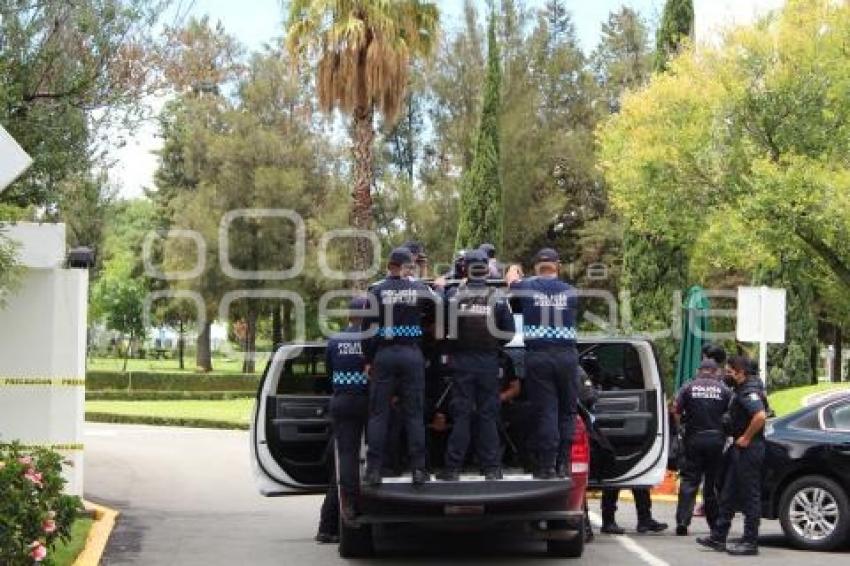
x=743, y=466
x=349, y=409
x=474, y=361
x=397, y=364
x=701, y=404
x=548, y=306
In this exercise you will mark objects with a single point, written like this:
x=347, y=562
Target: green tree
x=677, y=26
x=622, y=60
x=364, y=50
x=745, y=142
x=68, y=69
x=481, y=213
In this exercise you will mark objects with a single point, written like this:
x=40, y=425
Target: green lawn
x=220, y=365
x=234, y=411
x=65, y=554
x=789, y=400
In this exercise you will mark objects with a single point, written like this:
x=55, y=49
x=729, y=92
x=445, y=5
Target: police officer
x=494, y=266
x=483, y=324
x=744, y=459
x=349, y=409
x=548, y=306
x=395, y=361
x=699, y=409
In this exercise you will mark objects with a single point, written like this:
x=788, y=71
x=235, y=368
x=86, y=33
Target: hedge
x=97, y=380
x=124, y=395
x=162, y=421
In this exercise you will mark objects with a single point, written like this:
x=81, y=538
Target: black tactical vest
x=475, y=318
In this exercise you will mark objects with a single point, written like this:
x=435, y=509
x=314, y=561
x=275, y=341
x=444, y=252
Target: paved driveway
x=187, y=498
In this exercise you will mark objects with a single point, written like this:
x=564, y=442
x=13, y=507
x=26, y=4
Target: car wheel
x=355, y=542
x=572, y=548
x=815, y=513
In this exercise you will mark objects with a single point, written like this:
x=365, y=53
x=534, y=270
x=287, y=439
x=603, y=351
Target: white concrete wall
x=42, y=364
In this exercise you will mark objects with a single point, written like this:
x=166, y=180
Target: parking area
x=186, y=498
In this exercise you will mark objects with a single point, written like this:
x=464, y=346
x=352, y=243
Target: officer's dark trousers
x=553, y=391
x=350, y=412
x=405, y=366
x=703, y=460
x=473, y=390
x=329, y=515
x=741, y=490
x=643, y=504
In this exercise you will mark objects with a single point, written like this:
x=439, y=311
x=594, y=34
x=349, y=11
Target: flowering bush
x=34, y=513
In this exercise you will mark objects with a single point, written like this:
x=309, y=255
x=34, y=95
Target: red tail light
x=580, y=452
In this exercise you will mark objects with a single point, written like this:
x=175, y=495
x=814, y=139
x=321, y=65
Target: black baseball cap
x=401, y=256
x=488, y=249
x=547, y=255
x=475, y=256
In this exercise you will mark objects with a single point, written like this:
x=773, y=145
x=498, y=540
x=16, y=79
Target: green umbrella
x=694, y=331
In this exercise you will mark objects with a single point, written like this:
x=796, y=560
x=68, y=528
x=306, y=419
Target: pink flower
x=34, y=477
x=25, y=460
x=38, y=551
x=48, y=526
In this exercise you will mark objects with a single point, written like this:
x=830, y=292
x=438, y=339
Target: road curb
x=104, y=522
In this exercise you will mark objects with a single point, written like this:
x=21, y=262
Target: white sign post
x=761, y=319
x=13, y=160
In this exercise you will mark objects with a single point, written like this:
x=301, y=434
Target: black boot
x=743, y=548
x=326, y=538
x=563, y=470
x=448, y=474
x=651, y=526
x=420, y=476
x=712, y=543
x=372, y=478
x=493, y=474
x=544, y=474
x=612, y=528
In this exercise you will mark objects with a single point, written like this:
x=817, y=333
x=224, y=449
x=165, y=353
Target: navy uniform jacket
x=702, y=404
x=346, y=363
x=749, y=399
x=548, y=307
x=403, y=306
x=468, y=357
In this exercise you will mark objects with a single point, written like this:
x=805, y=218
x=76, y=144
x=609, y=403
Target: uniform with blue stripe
x=397, y=362
x=349, y=409
x=548, y=307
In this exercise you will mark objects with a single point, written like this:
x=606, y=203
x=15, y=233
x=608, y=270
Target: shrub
x=156, y=381
x=34, y=513
x=122, y=395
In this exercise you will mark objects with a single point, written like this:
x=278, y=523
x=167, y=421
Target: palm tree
x=362, y=50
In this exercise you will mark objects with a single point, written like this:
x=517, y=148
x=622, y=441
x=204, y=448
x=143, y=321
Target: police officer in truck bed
x=395, y=361
x=480, y=323
x=699, y=408
x=548, y=306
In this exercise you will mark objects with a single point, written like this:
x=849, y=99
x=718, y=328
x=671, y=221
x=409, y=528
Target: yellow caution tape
x=63, y=447
x=31, y=381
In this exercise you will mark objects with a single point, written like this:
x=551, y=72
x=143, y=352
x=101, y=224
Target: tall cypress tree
x=677, y=24
x=481, y=211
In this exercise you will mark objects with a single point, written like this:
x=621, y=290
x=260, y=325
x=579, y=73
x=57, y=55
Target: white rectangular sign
x=761, y=315
x=13, y=159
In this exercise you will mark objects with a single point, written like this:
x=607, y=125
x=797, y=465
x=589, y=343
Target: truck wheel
x=572, y=548
x=815, y=513
x=355, y=542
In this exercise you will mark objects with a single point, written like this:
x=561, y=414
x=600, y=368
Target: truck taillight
x=580, y=452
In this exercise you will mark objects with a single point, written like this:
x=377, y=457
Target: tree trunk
x=127, y=352
x=814, y=362
x=363, y=135
x=181, y=344
x=248, y=362
x=277, y=328
x=203, y=354
x=837, y=335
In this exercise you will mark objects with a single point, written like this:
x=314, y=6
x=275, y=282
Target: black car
x=807, y=474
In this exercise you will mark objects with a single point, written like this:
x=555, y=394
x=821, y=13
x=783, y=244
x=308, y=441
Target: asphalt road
x=186, y=497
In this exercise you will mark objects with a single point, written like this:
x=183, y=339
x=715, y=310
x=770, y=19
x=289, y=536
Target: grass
x=64, y=554
x=789, y=400
x=233, y=413
x=220, y=365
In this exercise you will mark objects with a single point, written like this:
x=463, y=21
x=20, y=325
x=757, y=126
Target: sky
x=263, y=22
